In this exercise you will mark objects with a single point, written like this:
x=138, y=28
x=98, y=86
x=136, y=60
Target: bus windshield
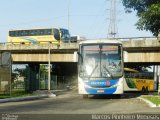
x=101, y=61
x=65, y=35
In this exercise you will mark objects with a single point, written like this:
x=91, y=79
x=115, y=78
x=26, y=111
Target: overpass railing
x=9, y=46
x=141, y=43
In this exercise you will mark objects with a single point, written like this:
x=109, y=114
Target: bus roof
x=36, y=29
x=100, y=41
x=130, y=70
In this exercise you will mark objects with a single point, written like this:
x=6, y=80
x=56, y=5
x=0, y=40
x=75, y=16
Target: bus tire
x=146, y=90
x=143, y=89
x=85, y=96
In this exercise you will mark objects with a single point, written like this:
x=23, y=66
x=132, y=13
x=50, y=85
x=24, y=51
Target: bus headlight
x=118, y=84
x=114, y=85
x=87, y=86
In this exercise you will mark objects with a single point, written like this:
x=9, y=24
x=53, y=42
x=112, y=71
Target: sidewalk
x=23, y=98
x=39, y=96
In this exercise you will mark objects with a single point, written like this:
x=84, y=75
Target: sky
x=87, y=18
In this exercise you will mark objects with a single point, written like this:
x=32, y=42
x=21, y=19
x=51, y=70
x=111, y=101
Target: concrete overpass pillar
x=33, y=77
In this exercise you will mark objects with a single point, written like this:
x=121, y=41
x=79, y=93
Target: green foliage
x=15, y=93
x=18, y=72
x=148, y=12
x=21, y=72
x=153, y=99
x=43, y=69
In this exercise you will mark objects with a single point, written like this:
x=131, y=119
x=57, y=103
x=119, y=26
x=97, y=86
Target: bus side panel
x=120, y=89
x=32, y=39
x=135, y=84
x=146, y=83
x=129, y=85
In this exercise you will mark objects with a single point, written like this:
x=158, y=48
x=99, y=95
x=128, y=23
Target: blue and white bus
x=100, y=67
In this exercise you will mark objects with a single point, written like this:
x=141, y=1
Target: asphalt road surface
x=72, y=103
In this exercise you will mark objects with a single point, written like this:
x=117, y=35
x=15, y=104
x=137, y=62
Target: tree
x=16, y=73
x=148, y=12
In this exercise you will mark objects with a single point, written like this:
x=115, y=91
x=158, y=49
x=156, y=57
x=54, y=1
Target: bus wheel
x=85, y=96
x=143, y=89
x=146, y=90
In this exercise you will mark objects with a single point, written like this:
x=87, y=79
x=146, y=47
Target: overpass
x=145, y=50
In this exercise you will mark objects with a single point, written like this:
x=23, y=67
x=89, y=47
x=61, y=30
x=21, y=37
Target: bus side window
x=56, y=34
x=11, y=33
x=126, y=75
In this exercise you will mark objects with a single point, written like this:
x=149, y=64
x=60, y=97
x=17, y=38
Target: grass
x=153, y=99
x=15, y=93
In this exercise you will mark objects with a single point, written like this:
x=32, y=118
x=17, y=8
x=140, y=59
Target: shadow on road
x=126, y=95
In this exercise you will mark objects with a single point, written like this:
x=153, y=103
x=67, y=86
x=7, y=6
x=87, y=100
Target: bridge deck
x=138, y=51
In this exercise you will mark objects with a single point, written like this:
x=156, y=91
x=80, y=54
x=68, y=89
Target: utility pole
x=112, y=30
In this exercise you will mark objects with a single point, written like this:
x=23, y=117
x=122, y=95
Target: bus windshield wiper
x=108, y=71
x=92, y=71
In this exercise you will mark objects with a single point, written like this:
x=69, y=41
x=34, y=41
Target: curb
x=148, y=102
x=23, y=98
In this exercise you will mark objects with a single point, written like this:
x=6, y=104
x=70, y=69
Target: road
x=72, y=103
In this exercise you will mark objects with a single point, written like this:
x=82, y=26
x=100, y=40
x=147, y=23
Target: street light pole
x=49, y=68
x=50, y=94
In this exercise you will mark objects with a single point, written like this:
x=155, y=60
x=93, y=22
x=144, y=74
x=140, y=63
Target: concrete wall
x=42, y=57
x=152, y=42
x=131, y=57
x=144, y=57
x=5, y=79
